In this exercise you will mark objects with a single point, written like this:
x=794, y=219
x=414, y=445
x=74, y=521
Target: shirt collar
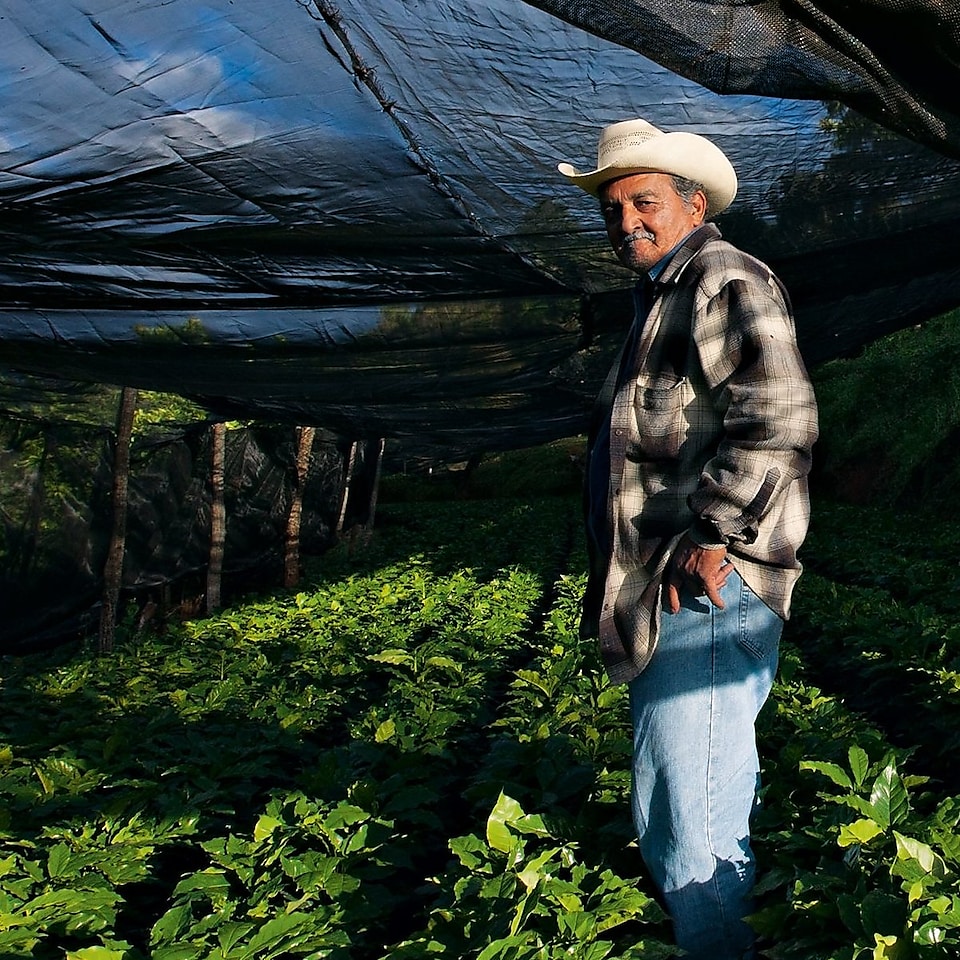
x=654, y=272
x=687, y=246
x=671, y=266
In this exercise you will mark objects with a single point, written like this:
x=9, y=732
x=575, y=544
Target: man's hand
x=703, y=571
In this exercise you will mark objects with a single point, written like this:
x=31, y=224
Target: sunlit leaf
x=860, y=831
x=499, y=835
x=385, y=732
x=929, y=861
x=391, y=656
x=265, y=826
x=889, y=797
x=96, y=953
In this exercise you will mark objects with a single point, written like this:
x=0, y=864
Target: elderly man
x=696, y=503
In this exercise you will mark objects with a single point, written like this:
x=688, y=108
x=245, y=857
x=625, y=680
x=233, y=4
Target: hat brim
x=677, y=154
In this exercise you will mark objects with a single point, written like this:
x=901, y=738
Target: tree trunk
x=291, y=552
x=374, y=488
x=218, y=515
x=345, y=489
x=113, y=568
x=361, y=484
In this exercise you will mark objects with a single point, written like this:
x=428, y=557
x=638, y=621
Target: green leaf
x=882, y=913
x=848, y=908
x=96, y=953
x=581, y=924
x=172, y=924
x=889, y=948
x=59, y=861
x=530, y=875
x=447, y=663
x=923, y=855
x=501, y=886
x=469, y=850
x=231, y=933
x=395, y=657
x=506, y=948
x=889, y=798
x=526, y=908
x=932, y=932
x=345, y=815
x=45, y=781
x=210, y=882
x=531, y=823
x=265, y=827
x=832, y=770
x=499, y=836
x=386, y=731
x=176, y=951
x=859, y=764
x=600, y=949
x=274, y=932
x=861, y=831
x=82, y=907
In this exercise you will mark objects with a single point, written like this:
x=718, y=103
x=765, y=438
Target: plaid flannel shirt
x=711, y=424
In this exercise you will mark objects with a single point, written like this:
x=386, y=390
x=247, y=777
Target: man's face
x=646, y=217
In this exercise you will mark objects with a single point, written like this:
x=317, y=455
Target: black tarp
x=348, y=214
x=895, y=61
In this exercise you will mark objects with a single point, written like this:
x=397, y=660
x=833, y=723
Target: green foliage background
x=891, y=420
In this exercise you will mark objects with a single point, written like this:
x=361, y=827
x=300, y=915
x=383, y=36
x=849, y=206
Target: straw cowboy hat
x=635, y=146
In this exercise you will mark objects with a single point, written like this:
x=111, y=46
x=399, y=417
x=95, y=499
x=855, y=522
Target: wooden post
x=345, y=489
x=361, y=485
x=291, y=547
x=378, y=447
x=218, y=515
x=113, y=568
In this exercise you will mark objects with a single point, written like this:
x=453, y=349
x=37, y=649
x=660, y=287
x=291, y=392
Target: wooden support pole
x=218, y=515
x=113, y=568
x=291, y=546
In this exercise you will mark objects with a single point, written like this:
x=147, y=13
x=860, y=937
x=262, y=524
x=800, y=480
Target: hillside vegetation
x=891, y=421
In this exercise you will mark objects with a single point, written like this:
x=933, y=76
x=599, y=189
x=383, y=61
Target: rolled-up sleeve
x=752, y=365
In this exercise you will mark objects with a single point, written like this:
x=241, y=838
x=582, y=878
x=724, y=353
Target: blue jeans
x=695, y=765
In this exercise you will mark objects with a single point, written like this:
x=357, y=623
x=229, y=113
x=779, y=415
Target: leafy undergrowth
x=405, y=758
x=415, y=756
x=887, y=443
x=863, y=849
x=877, y=619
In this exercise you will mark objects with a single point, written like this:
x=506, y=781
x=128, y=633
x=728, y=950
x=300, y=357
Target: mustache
x=635, y=236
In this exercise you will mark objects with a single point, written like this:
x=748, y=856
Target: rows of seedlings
x=414, y=755
x=877, y=620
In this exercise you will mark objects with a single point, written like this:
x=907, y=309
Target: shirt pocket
x=658, y=408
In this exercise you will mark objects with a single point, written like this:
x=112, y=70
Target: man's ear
x=699, y=202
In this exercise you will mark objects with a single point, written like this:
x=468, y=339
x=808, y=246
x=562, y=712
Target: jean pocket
x=760, y=627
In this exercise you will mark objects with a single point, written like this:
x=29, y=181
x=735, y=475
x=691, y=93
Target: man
x=696, y=503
